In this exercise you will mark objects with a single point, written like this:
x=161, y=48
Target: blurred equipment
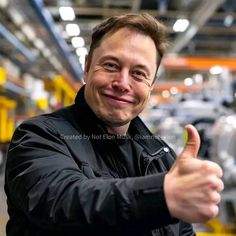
x=223, y=151
x=223, y=148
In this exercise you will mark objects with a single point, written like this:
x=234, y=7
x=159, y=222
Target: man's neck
x=119, y=130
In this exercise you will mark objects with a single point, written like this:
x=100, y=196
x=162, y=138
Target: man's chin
x=115, y=122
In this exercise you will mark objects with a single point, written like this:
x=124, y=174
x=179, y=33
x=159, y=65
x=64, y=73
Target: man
x=94, y=168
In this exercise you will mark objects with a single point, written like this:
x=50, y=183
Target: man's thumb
x=193, y=143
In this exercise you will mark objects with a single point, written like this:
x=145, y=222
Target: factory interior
x=43, y=45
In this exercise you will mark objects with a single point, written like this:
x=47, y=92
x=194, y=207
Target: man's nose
x=121, y=81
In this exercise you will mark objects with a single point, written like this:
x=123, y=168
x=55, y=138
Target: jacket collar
x=91, y=124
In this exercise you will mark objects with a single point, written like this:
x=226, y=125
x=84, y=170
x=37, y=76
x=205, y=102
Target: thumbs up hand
x=192, y=186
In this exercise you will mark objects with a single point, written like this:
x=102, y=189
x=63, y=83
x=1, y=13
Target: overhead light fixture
x=72, y=29
x=198, y=78
x=67, y=13
x=82, y=59
x=16, y=17
x=28, y=31
x=216, y=70
x=165, y=94
x=174, y=90
x=181, y=25
x=81, y=51
x=228, y=21
x=46, y=52
x=188, y=81
x=77, y=42
x=39, y=44
x=3, y=3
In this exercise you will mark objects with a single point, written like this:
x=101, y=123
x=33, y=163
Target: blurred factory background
x=43, y=45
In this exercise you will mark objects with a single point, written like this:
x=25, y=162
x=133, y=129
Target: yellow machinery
x=216, y=228
x=7, y=116
x=2, y=76
x=7, y=119
x=62, y=90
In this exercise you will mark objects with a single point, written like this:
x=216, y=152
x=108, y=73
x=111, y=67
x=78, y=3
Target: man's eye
x=111, y=66
x=140, y=75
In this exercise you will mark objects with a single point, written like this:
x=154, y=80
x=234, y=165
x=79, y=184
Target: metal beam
x=199, y=18
x=69, y=59
x=16, y=43
x=16, y=89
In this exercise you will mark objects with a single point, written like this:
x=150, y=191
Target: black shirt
x=126, y=160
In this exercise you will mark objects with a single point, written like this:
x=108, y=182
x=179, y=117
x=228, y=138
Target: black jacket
x=62, y=178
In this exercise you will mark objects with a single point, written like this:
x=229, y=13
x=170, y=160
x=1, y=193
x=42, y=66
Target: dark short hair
x=143, y=23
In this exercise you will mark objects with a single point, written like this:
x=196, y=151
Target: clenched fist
x=192, y=187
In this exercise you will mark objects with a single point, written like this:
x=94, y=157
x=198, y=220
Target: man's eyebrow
x=109, y=57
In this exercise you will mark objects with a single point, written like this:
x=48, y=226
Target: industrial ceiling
x=32, y=32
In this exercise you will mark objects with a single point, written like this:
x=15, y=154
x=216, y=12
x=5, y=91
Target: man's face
x=119, y=76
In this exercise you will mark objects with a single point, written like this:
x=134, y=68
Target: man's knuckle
x=206, y=167
x=215, y=197
x=211, y=211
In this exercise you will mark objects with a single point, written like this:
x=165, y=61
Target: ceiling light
x=165, y=94
x=28, y=31
x=67, y=13
x=188, y=81
x=216, y=70
x=3, y=3
x=174, y=90
x=181, y=25
x=16, y=17
x=82, y=59
x=81, y=51
x=72, y=29
x=39, y=44
x=77, y=42
x=228, y=21
x=46, y=52
x=198, y=78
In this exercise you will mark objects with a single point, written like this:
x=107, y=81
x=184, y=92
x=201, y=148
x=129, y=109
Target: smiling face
x=119, y=77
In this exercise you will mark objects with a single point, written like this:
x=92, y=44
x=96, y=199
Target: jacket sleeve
x=45, y=183
x=186, y=229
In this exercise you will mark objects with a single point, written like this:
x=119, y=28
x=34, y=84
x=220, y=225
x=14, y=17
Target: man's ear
x=86, y=67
